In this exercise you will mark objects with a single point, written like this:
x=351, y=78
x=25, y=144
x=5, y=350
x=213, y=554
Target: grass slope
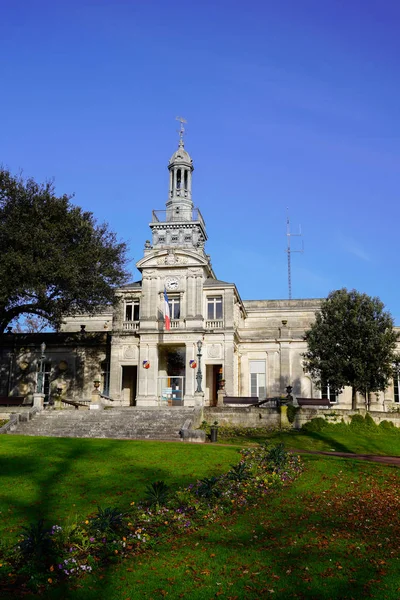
x=58, y=478
x=332, y=534
x=339, y=438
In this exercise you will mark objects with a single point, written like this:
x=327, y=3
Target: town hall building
x=215, y=338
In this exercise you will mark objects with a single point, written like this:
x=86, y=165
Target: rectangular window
x=46, y=370
x=258, y=387
x=214, y=308
x=105, y=377
x=396, y=383
x=132, y=311
x=326, y=392
x=174, y=307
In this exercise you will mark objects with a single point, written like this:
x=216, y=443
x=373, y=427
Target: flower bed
x=46, y=555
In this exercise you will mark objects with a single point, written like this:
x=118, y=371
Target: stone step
x=129, y=422
x=94, y=435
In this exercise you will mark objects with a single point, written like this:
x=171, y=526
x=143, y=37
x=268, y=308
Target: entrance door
x=129, y=384
x=171, y=378
x=213, y=380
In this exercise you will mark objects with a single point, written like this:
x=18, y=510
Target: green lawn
x=58, y=478
x=332, y=534
x=339, y=438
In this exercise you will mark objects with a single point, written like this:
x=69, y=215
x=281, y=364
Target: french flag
x=167, y=317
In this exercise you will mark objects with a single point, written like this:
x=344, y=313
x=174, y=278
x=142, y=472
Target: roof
x=134, y=284
x=216, y=283
x=181, y=156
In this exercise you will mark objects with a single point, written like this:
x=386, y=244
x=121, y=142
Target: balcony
x=131, y=326
x=184, y=216
x=215, y=324
x=177, y=324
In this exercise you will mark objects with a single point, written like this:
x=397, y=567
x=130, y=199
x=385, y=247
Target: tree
x=31, y=324
x=352, y=343
x=55, y=260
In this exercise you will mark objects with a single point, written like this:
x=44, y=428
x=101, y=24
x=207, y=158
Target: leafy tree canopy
x=352, y=343
x=55, y=259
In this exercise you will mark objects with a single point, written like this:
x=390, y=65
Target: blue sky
x=289, y=104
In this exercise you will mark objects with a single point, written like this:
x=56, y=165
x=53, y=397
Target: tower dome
x=180, y=169
x=181, y=157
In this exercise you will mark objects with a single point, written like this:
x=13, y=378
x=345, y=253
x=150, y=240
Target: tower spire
x=181, y=131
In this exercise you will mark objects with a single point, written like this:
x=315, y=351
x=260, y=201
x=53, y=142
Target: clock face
x=171, y=283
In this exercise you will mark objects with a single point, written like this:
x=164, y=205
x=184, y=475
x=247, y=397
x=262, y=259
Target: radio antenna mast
x=289, y=251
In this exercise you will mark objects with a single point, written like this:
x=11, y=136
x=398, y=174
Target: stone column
x=192, y=302
x=182, y=306
x=38, y=400
x=189, y=287
x=228, y=366
x=115, y=372
x=190, y=374
x=273, y=373
x=199, y=296
x=284, y=366
x=148, y=378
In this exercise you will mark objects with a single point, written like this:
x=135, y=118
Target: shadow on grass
x=289, y=544
x=49, y=479
x=321, y=437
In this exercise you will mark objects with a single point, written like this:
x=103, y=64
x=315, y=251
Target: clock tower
x=174, y=262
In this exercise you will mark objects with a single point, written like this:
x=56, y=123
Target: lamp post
x=40, y=379
x=199, y=375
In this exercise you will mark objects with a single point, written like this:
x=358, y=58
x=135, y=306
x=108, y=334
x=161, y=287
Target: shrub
x=387, y=425
x=316, y=425
x=277, y=455
x=292, y=412
x=36, y=545
x=208, y=488
x=157, y=493
x=107, y=520
x=357, y=422
x=239, y=472
x=369, y=422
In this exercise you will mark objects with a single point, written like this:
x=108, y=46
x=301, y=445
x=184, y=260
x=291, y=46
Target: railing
x=177, y=324
x=184, y=215
x=214, y=324
x=131, y=325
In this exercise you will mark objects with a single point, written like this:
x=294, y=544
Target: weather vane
x=181, y=130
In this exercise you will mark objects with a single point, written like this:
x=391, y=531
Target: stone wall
x=270, y=417
x=242, y=416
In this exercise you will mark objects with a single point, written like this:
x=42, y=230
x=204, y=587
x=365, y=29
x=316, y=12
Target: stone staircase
x=123, y=422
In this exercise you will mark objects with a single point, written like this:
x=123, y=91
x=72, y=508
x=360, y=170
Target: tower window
x=132, y=311
x=188, y=237
x=174, y=307
x=185, y=180
x=178, y=179
x=161, y=239
x=174, y=238
x=214, y=308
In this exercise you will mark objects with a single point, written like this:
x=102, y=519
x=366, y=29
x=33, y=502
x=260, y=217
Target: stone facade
x=254, y=346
